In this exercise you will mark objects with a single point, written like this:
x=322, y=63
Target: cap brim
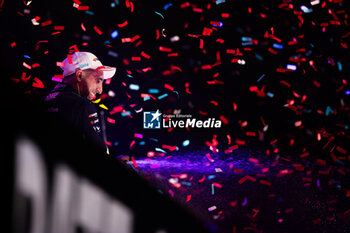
x=108, y=72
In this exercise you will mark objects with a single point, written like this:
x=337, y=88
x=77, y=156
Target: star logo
x=151, y=120
x=155, y=115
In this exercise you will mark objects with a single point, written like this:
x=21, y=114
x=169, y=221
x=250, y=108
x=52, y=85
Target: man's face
x=91, y=83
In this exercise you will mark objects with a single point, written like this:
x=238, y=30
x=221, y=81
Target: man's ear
x=78, y=74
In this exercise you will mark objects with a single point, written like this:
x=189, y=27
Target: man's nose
x=99, y=89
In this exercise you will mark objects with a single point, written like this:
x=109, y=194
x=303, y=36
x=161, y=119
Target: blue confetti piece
x=130, y=76
x=89, y=12
x=211, y=177
x=160, y=150
x=261, y=77
x=212, y=189
x=186, y=143
x=329, y=110
x=186, y=183
x=116, y=143
x=329, y=61
x=153, y=139
x=146, y=98
x=308, y=53
x=113, y=54
x=127, y=113
x=134, y=87
x=291, y=67
x=340, y=67
x=159, y=14
x=269, y=94
x=167, y=6
x=247, y=43
x=26, y=56
x=277, y=46
x=142, y=143
x=220, y=1
x=162, y=96
x=347, y=92
x=340, y=162
x=259, y=57
x=220, y=24
x=153, y=91
x=245, y=39
x=305, y=9
x=114, y=34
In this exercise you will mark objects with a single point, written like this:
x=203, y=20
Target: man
x=71, y=101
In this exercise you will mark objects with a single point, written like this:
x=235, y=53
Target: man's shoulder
x=65, y=97
x=64, y=92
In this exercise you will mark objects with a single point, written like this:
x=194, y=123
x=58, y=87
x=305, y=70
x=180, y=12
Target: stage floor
x=248, y=191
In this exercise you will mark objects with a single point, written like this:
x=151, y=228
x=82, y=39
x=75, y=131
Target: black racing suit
x=78, y=113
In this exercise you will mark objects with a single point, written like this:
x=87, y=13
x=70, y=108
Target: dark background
x=323, y=86
x=316, y=91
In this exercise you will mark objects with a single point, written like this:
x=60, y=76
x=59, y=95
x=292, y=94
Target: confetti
x=268, y=84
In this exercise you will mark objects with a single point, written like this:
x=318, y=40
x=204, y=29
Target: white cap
x=83, y=61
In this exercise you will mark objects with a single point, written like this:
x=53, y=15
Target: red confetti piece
x=236, y=170
x=225, y=15
x=171, y=148
x=38, y=83
x=35, y=65
x=264, y=182
x=186, y=4
x=317, y=221
x=217, y=185
x=253, y=160
x=167, y=86
x=83, y=8
x=214, y=102
x=304, y=154
x=60, y=64
x=135, y=58
x=244, y=179
x=97, y=30
x=46, y=23
x=207, y=31
x=164, y=49
x=110, y=120
x=27, y=66
x=146, y=69
x=123, y=24
x=251, y=134
x=298, y=123
x=224, y=120
x=58, y=28
x=145, y=55
x=209, y=157
x=285, y=83
x=24, y=78
x=133, y=161
x=83, y=27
